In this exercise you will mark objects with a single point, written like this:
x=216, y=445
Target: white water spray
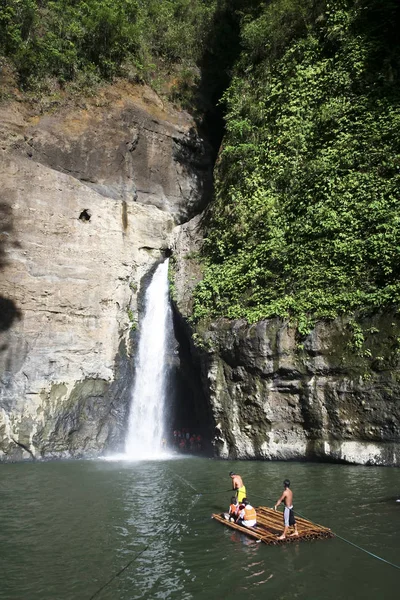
x=147, y=413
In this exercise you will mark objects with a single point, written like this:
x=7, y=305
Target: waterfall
x=147, y=412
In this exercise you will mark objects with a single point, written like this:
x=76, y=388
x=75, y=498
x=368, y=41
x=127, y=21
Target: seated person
x=233, y=509
x=247, y=515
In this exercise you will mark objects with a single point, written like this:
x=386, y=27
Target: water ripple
x=68, y=527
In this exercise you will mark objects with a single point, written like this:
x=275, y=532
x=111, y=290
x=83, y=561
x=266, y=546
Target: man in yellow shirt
x=238, y=486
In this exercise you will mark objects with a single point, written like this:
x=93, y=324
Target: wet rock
x=297, y=408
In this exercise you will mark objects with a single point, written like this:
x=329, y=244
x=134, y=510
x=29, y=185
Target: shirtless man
x=238, y=486
x=288, y=515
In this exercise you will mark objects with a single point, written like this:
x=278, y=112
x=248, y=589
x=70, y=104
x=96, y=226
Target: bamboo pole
x=269, y=526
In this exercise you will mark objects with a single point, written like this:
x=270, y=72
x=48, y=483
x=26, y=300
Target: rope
x=342, y=538
x=213, y=493
x=171, y=532
x=304, y=517
x=262, y=497
x=367, y=551
x=184, y=480
x=224, y=492
x=119, y=573
x=355, y=545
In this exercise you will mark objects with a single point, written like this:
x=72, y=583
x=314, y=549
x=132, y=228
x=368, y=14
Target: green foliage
x=202, y=343
x=171, y=278
x=357, y=339
x=193, y=255
x=305, y=223
x=184, y=88
x=17, y=18
x=64, y=38
x=132, y=321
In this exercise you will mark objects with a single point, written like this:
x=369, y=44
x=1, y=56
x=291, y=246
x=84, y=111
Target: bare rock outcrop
x=89, y=196
x=74, y=262
x=124, y=144
x=187, y=243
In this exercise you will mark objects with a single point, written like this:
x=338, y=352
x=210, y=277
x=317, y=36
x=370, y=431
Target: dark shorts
x=288, y=517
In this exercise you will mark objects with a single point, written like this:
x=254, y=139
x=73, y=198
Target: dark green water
x=67, y=527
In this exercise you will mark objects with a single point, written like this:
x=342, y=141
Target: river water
x=66, y=528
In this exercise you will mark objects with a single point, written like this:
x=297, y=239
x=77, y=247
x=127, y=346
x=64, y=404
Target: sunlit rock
x=90, y=194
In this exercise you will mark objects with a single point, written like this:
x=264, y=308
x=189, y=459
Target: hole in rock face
x=85, y=215
x=167, y=252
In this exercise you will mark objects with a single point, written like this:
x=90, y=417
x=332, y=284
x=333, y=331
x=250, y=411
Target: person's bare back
x=237, y=482
x=288, y=515
x=238, y=486
x=287, y=497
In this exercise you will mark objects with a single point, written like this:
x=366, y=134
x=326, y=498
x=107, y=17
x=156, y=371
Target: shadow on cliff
x=378, y=22
x=8, y=309
x=204, y=99
x=222, y=51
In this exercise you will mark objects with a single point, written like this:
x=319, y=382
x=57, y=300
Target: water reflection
x=67, y=528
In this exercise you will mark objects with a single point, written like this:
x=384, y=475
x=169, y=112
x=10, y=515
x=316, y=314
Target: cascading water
x=147, y=413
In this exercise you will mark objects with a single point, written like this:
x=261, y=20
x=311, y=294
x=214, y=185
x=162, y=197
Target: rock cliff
x=331, y=395
x=90, y=194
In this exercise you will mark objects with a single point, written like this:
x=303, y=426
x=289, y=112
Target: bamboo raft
x=270, y=526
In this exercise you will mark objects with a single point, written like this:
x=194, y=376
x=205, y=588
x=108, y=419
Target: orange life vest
x=249, y=513
x=233, y=509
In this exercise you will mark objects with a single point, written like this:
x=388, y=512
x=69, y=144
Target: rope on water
x=355, y=545
x=184, y=480
x=367, y=551
x=171, y=532
x=119, y=573
x=342, y=538
x=223, y=492
x=213, y=493
x=262, y=497
x=193, y=488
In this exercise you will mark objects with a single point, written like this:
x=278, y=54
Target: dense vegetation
x=90, y=40
x=306, y=220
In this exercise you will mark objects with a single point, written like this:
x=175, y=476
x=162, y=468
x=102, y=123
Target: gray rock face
x=274, y=396
x=332, y=395
x=187, y=242
x=72, y=280
x=89, y=199
x=126, y=146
